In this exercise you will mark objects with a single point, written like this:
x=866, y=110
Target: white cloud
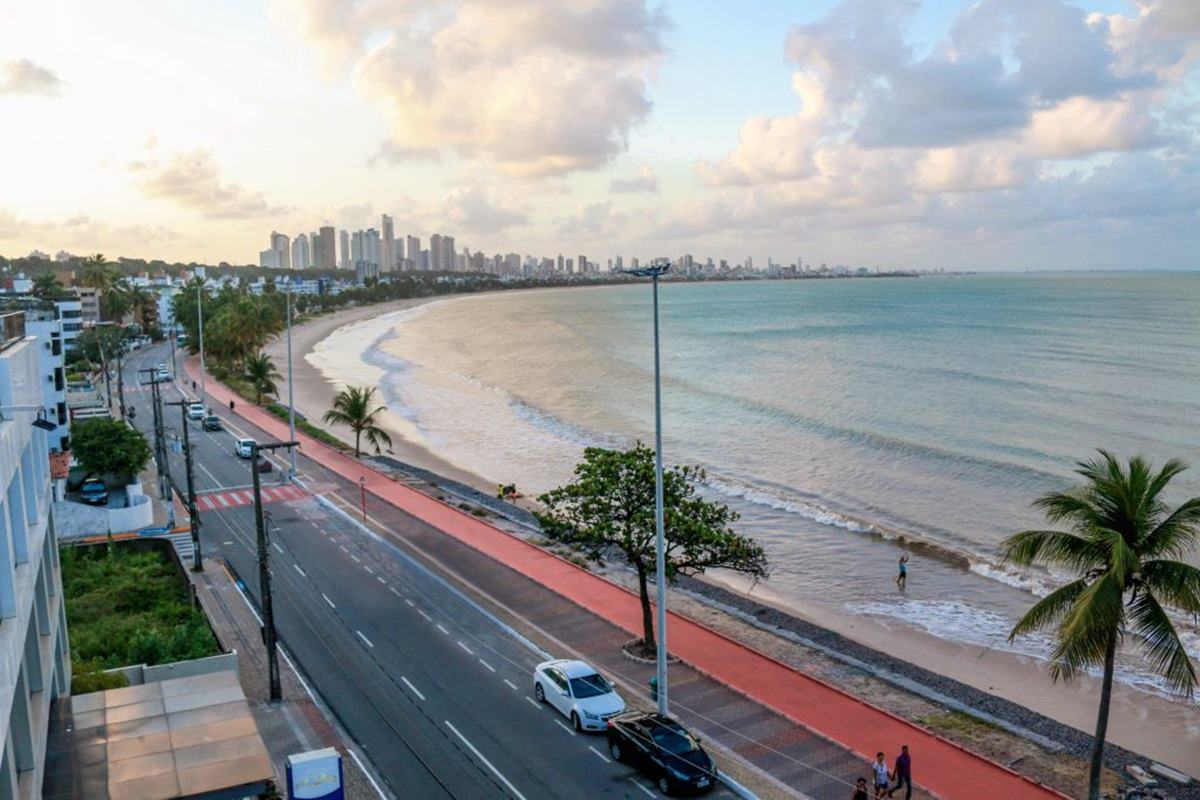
x=596, y=221
x=534, y=87
x=25, y=77
x=193, y=181
x=644, y=181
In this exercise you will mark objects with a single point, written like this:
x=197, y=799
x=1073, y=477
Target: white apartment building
x=43, y=323
x=34, y=653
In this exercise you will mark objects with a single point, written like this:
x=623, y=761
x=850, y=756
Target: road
x=432, y=688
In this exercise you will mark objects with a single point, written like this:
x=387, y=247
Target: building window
x=62, y=413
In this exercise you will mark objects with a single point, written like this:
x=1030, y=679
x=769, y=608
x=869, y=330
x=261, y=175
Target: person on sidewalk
x=902, y=578
x=903, y=773
x=882, y=776
x=860, y=790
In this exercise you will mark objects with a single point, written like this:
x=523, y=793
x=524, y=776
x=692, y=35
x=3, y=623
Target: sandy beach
x=1164, y=730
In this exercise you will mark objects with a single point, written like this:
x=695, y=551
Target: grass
x=127, y=606
x=321, y=435
x=957, y=723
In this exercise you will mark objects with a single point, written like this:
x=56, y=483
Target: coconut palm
x=352, y=407
x=47, y=285
x=1122, y=544
x=261, y=373
x=117, y=300
x=97, y=272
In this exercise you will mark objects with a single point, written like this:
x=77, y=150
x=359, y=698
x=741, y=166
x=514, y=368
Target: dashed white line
x=487, y=763
x=327, y=600
x=533, y=702
x=277, y=547
x=226, y=542
x=302, y=573
x=486, y=664
x=603, y=757
x=443, y=630
x=511, y=685
x=344, y=550
x=356, y=560
x=411, y=604
x=412, y=688
x=381, y=580
x=560, y=724
x=426, y=616
x=463, y=646
x=368, y=569
x=638, y=784
x=365, y=639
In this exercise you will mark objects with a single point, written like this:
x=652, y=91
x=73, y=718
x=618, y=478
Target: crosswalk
x=233, y=498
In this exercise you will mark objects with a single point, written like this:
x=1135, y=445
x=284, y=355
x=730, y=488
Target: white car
x=245, y=447
x=580, y=693
x=197, y=411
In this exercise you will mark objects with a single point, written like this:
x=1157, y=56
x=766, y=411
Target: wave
x=1018, y=580
x=813, y=511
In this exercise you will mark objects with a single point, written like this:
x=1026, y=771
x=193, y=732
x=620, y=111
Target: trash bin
x=654, y=688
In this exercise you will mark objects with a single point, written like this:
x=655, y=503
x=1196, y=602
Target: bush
x=303, y=425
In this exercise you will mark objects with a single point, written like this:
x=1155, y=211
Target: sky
x=989, y=135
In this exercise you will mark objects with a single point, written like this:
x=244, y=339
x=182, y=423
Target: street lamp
x=660, y=571
x=291, y=402
x=200, y=321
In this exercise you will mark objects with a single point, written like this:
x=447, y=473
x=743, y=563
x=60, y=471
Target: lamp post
x=193, y=516
x=291, y=401
x=200, y=322
x=660, y=571
x=264, y=568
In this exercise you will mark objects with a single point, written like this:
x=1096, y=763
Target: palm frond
x=1164, y=651
x=1096, y=617
x=1177, y=583
x=1050, y=610
x=1177, y=534
x=1052, y=547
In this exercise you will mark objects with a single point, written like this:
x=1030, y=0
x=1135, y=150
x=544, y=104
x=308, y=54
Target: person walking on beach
x=902, y=578
x=903, y=773
x=882, y=776
x=860, y=790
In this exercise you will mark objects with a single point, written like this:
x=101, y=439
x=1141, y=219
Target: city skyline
x=1003, y=134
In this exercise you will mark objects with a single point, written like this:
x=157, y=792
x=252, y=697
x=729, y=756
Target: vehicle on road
x=212, y=423
x=578, y=691
x=162, y=375
x=264, y=464
x=94, y=492
x=197, y=411
x=244, y=447
x=664, y=750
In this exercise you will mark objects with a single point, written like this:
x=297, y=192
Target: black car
x=664, y=750
x=212, y=423
x=264, y=464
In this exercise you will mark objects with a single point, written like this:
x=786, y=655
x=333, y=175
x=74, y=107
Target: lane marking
x=344, y=550
x=411, y=604
x=426, y=616
x=511, y=685
x=297, y=566
x=643, y=788
x=368, y=569
x=277, y=547
x=533, y=702
x=221, y=499
x=356, y=560
x=226, y=542
x=412, y=688
x=381, y=580
x=327, y=600
x=564, y=726
x=486, y=664
x=603, y=757
x=443, y=630
x=365, y=639
x=463, y=646
x=487, y=763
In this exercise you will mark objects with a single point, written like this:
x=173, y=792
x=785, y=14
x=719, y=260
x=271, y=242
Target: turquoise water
x=835, y=416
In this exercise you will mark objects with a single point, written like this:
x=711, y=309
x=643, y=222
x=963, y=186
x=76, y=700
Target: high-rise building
x=283, y=253
x=413, y=251
x=301, y=256
x=387, y=245
x=581, y=264
x=33, y=632
x=328, y=256
x=435, y=253
x=448, y=255
x=268, y=258
x=346, y=262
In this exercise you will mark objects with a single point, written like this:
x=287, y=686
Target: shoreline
x=1141, y=722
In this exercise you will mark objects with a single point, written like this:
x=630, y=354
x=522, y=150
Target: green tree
x=261, y=373
x=99, y=344
x=97, y=272
x=109, y=447
x=46, y=286
x=609, y=507
x=1123, y=544
x=116, y=301
x=352, y=407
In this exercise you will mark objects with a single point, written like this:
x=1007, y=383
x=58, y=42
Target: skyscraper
x=346, y=262
x=449, y=259
x=387, y=245
x=413, y=252
x=581, y=265
x=328, y=246
x=301, y=259
x=283, y=253
x=435, y=253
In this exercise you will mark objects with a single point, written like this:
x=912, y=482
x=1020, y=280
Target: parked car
x=212, y=423
x=664, y=750
x=263, y=464
x=94, y=492
x=244, y=447
x=578, y=691
x=197, y=411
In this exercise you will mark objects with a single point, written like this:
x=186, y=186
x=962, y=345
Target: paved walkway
x=941, y=766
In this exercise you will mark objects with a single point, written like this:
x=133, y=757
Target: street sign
x=315, y=775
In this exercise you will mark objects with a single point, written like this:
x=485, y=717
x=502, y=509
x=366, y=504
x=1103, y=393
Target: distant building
x=413, y=252
x=387, y=245
x=33, y=631
x=327, y=258
x=89, y=300
x=282, y=248
x=300, y=253
x=346, y=262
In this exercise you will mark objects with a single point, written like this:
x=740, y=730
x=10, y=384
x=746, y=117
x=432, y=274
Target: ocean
x=845, y=420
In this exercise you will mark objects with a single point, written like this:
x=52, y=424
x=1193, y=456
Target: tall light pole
x=200, y=318
x=193, y=516
x=291, y=401
x=264, y=568
x=660, y=568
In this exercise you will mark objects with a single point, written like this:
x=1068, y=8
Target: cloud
x=473, y=210
x=393, y=154
x=596, y=221
x=533, y=87
x=193, y=180
x=644, y=181
x=84, y=233
x=25, y=77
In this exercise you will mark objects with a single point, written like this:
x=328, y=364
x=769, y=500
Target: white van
x=245, y=447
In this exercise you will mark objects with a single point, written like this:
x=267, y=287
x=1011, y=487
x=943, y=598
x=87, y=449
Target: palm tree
x=261, y=373
x=1122, y=544
x=352, y=407
x=96, y=271
x=117, y=299
x=47, y=285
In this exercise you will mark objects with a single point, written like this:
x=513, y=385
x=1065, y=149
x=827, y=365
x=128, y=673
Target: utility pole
x=107, y=384
x=121, y=377
x=197, y=560
x=264, y=571
x=200, y=319
x=174, y=369
x=291, y=399
x=160, y=450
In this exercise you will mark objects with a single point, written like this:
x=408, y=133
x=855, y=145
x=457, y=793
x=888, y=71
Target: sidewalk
x=941, y=766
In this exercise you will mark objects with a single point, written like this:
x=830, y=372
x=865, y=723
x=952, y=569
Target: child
x=860, y=790
x=882, y=777
x=902, y=578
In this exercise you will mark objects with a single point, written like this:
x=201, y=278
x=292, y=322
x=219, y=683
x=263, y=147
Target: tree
x=47, y=286
x=352, y=408
x=1122, y=544
x=610, y=507
x=116, y=300
x=96, y=271
x=99, y=344
x=109, y=447
x=261, y=373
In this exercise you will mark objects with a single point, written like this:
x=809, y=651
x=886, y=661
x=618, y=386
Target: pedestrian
x=902, y=578
x=193, y=386
x=903, y=773
x=880, y=768
x=231, y=404
x=860, y=790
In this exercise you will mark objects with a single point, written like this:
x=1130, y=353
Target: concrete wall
x=140, y=673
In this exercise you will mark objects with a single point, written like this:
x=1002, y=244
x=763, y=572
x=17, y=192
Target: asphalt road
x=433, y=690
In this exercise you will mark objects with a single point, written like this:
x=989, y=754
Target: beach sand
x=1160, y=729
